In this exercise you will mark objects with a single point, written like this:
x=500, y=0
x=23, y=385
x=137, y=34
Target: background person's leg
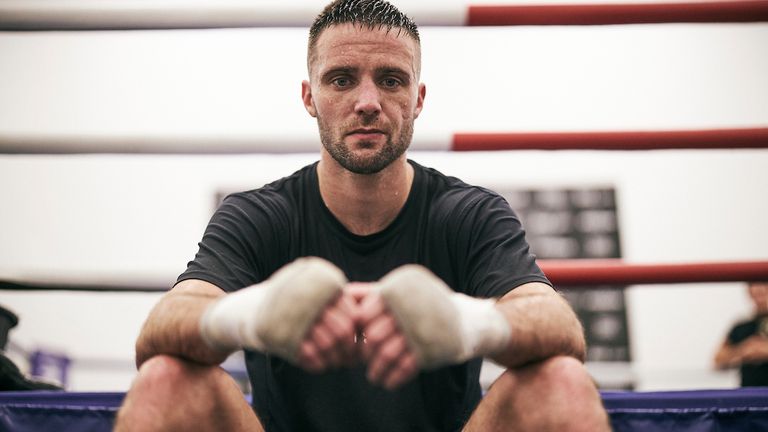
x=554, y=395
x=170, y=394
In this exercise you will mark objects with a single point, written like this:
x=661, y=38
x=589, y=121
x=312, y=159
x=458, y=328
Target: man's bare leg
x=554, y=395
x=170, y=394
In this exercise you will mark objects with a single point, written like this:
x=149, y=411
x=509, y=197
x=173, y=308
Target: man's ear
x=420, y=100
x=306, y=97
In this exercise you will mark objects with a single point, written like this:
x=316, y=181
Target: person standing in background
x=746, y=345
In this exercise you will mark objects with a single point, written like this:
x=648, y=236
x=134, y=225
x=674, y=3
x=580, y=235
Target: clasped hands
x=357, y=328
x=310, y=315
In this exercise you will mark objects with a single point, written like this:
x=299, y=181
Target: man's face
x=758, y=291
x=365, y=94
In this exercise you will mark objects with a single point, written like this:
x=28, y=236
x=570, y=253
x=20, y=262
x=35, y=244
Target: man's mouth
x=366, y=132
x=366, y=136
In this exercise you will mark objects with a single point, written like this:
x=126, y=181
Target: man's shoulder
x=452, y=191
x=743, y=329
x=284, y=189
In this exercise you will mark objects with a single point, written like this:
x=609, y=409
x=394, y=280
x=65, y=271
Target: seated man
x=746, y=345
x=441, y=277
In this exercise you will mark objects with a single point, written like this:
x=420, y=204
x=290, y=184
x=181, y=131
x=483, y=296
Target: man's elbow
x=578, y=342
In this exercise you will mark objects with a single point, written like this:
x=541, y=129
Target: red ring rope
x=614, y=272
x=43, y=15
x=639, y=140
x=576, y=272
x=597, y=14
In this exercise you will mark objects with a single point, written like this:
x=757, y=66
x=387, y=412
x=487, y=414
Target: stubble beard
x=366, y=165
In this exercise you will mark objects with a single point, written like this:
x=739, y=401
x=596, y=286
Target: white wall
x=135, y=219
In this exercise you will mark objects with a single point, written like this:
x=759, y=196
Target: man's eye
x=390, y=82
x=341, y=82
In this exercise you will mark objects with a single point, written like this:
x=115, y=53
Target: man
x=746, y=346
x=400, y=347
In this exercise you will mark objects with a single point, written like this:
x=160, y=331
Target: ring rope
x=46, y=15
x=712, y=139
x=573, y=272
x=603, y=14
x=636, y=140
x=616, y=272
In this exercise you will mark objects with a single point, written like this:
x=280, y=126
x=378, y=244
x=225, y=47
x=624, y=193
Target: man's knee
x=170, y=393
x=163, y=372
x=546, y=395
x=165, y=379
x=560, y=374
x=151, y=393
x=564, y=372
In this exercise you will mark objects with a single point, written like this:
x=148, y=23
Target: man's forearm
x=752, y=350
x=173, y=325
x=542, y=325
x=727, y=357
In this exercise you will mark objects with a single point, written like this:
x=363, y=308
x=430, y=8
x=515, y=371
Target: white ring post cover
x=149, y=14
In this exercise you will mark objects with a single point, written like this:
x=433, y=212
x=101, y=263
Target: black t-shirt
x=466, y=235
x=752, y=374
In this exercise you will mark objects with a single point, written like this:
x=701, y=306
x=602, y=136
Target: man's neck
x=364, y=204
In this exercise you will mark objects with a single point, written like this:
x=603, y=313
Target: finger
x=326, y=345
x=358, y=290
x=403, y=372
x=386, y=358
x=348, y=307
x=370, y=308
x=376, y=333
x=309, y=357
x=337, y=318
x=380, y=330
x=342, y=329
x=348, y=301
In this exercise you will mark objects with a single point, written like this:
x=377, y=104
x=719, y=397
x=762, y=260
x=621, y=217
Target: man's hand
x=308, y=314
x=276, y=315
x=442, y=327
x=357, y=327
x=384, y=347
x=330, y=342
x=753, y=350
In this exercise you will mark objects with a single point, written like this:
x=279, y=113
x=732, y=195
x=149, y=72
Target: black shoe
x=11, y=378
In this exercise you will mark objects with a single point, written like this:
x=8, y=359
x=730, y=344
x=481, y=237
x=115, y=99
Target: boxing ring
x=694, y=411
x=743, y=409
x=689, y=411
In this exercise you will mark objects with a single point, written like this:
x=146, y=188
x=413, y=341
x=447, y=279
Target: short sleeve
x=232, y=249
x=741, y=332
x=493, y=248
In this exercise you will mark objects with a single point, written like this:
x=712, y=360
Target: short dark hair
x=366, y=13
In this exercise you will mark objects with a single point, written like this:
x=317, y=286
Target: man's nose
x=368, y=99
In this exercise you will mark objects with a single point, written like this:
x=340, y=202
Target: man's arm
x=751, y=350
x=727, y=356
x=302, y=302
x=542, y=325
x=414, y=321
x=173, y=325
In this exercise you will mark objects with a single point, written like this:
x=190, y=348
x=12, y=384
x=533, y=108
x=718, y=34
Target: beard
x=362, y=164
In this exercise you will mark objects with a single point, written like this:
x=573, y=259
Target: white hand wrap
x=441, y=326
x=275, y=315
